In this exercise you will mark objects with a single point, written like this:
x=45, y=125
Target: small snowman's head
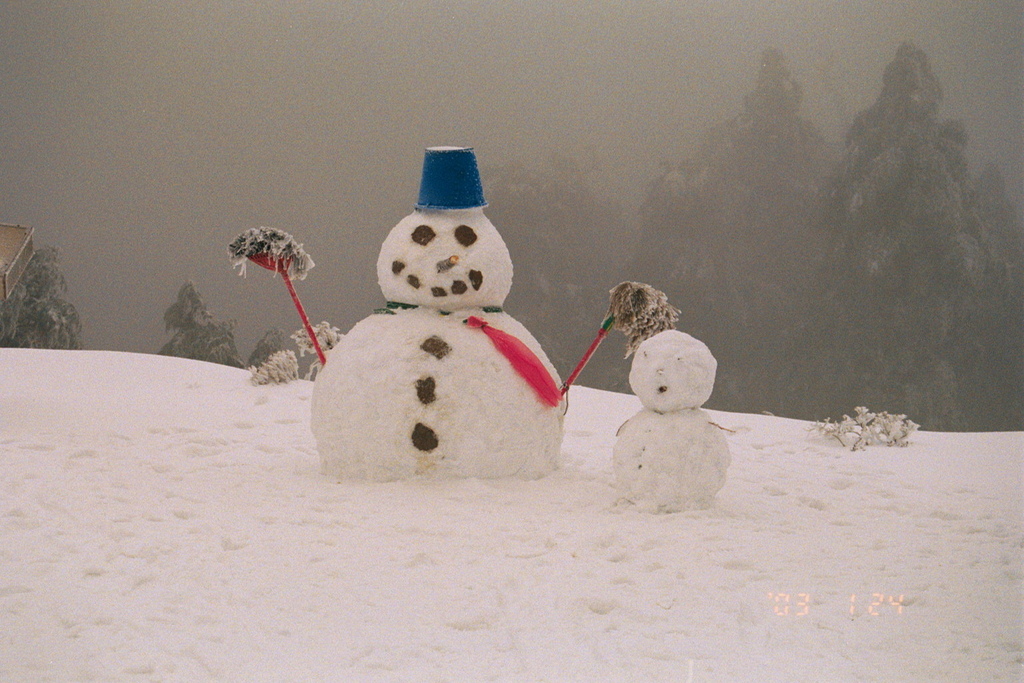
x=672, y=371
x=446, y=254
x=446, y=259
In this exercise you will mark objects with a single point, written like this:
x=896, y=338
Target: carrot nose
x=446, y=265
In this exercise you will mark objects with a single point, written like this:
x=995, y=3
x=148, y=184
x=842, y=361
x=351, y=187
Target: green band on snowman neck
x=391, y=306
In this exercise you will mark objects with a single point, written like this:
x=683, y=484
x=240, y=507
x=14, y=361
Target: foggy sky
x=139, y=138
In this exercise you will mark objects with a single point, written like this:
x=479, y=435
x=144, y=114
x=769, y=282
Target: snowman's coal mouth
x=476, y=280
x=457, y=287
x=662, y=390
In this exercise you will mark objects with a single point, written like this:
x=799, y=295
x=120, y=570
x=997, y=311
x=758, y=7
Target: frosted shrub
x=866, y=428
x=280, y=368
x=327, y=334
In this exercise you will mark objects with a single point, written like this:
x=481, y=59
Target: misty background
x=140, y=138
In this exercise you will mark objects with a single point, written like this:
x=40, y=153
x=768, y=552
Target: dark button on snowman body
x=414, y=390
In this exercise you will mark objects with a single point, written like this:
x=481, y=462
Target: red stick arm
x=305, y=318
x=281, y=266
x=601, y=334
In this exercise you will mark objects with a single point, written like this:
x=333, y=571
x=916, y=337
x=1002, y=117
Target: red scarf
x=523, y=360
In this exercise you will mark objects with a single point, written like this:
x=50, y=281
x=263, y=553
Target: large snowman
x=670, y=456
x=415, y=390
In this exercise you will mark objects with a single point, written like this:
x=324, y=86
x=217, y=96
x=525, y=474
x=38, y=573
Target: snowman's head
x=672, y=371
x=447, y=259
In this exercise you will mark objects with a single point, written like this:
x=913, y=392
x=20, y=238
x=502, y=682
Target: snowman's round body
x=413, y=390
x=418, y=392
x=670, y=456
x=668, y=462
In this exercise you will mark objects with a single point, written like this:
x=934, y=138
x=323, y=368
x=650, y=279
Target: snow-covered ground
x=163, y=519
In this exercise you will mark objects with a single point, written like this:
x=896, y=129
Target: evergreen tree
x=999, y=315
x=1003, y=232
x=271, y=342
x=906, y=323
x=196, y=334
x=36, y=315
x=728, y=235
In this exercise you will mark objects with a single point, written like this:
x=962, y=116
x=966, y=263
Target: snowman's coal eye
x=423, y=234
x=397, y=267
x=465, y=235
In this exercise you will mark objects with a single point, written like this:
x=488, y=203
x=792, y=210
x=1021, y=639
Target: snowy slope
x=164, y=520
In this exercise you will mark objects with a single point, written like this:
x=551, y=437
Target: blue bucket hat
x=450, y=179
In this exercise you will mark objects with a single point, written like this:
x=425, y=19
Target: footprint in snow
x=212, y=441
x=601, y=606
x=479, y=623
x=38, y=447
x=229, y=544
x=813, y=503
x=737, y=565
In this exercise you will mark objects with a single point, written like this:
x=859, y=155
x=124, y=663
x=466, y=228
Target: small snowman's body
x=414, y=390
x=670, y=456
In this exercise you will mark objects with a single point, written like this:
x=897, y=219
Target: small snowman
x=670, y=456
x=440, y=382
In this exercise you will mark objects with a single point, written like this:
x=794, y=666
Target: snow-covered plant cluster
x=328, y=335
x=280, y=368
x=866, y=428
